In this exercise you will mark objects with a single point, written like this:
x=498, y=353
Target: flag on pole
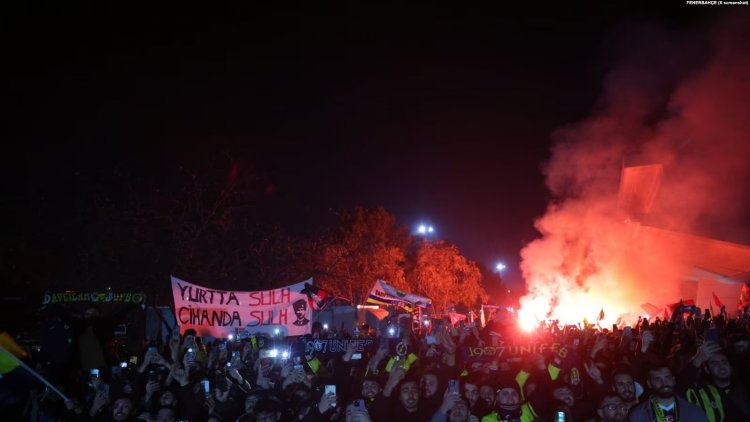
x=455, y=317
x=317, y=297
x=383, y=293
x=16, y=378
x=7, y=343
x=7, y=363
x=601, y=315
x=744, y=296
x=716, y=300
x=671, y=307
x=482, y=319
x=651, y=310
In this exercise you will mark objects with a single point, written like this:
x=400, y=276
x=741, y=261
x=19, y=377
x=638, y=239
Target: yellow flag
x=7, y=362
x=7, y=343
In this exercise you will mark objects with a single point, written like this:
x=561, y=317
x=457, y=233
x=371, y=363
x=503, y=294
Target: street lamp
x=425, y=229
x=499, y=267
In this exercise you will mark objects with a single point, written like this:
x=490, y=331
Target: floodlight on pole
x=499, y=267
x=425, y=230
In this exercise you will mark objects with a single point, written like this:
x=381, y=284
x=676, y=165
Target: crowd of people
x=692, y=367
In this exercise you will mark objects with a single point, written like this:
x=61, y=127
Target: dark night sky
x=441, y=119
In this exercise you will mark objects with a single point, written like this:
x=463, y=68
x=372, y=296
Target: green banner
x=93, y=297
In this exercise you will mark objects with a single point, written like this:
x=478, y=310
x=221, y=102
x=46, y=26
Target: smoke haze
x=675, y=99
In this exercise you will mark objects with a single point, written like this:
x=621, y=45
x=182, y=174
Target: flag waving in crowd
x=16, y=378
x=717, y=301
x=317, y=297
x=383, y=293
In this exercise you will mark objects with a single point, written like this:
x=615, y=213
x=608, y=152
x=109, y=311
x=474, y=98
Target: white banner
x=218, y=313
x=383, y=293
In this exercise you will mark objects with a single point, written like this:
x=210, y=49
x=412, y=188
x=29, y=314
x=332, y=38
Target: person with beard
x=429, y=385
x=405, y=405
x=487, y=394
x=123, y=409
x=612, y=409
x=664, y=405
x=477, y=406
x=558, y=396
x=370, y=389
x=623, y=385
x=720, y=397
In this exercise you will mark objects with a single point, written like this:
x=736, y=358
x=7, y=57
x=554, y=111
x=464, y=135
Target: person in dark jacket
x=664, y=405
x=399, y=400
x=720, y=396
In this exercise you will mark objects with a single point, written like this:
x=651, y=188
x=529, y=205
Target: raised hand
x=100, y=400
x=397, y=375
x=151, y=388
x=351, y=348
x=174, y=341
x=221, y=395
x=210, y=404
x=600, y=343
x=704, y=352
x=594, y=373
x=180, y=374
x=158, y=359
x=327, y=401
x=449, y=400
x=235, y=374
x=646, y=339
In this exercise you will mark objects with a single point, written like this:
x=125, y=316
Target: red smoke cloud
x=679, y=100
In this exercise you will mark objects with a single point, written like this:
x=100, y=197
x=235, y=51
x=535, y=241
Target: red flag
x=601, y=315
x=688, y=302
x=716, y=300
x=744, y=296
x=317, y=297
x=651, y=310
x=455, y=317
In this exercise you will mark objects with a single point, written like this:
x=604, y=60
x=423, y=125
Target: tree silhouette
x=364, y=246
x=439, y=271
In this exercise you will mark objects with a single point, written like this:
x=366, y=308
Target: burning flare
x=672, y=106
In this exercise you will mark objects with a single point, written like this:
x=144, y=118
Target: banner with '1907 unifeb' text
x=218, y=313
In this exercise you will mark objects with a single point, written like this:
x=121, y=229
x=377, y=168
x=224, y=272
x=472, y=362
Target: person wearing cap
x=508, y=405
x=300, y=309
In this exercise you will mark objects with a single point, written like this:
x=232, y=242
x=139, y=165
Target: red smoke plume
x=679, y=100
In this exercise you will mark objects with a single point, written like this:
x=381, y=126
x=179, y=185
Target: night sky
x=443, y=118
